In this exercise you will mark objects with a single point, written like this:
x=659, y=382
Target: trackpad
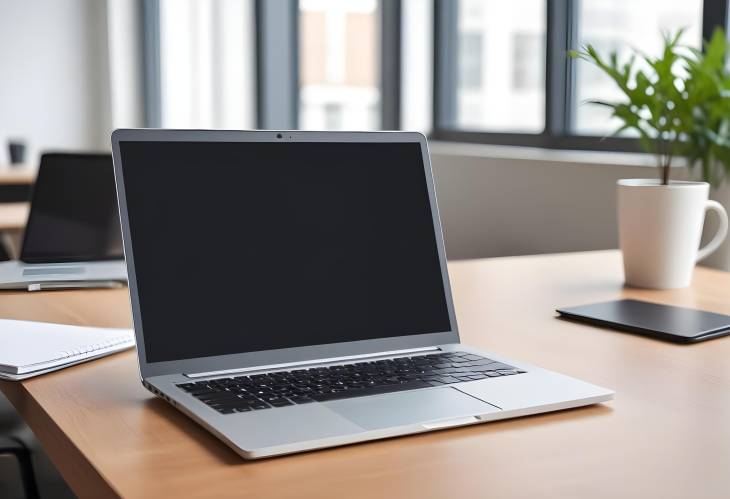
x=409, y=407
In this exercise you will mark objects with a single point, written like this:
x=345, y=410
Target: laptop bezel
x=285, y=355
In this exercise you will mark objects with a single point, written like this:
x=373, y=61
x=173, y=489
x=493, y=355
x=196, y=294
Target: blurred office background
x=519, y=160
x=521, y=163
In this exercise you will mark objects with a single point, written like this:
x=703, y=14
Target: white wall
x=54, y=86
x=497, y=201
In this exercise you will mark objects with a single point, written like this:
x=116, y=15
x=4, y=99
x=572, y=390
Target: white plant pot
x=660, y=228
x=720, y=259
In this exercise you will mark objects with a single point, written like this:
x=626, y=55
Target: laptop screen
x=73, y=215
x=250, y=246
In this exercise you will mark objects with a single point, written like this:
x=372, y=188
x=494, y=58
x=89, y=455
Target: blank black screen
x=242, y=247
x=74, y=211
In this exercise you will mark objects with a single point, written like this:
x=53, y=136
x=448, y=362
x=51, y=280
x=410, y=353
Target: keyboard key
x=497, y=366
x=472, y=357
x=458, y=361
x=281, y=403
x=211, y=397
x=196, y=391
x=481, y=369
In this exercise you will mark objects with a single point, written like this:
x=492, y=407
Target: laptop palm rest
x=410, y=408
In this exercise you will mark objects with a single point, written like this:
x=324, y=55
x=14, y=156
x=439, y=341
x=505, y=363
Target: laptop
x=72, y=237
x=319, y=313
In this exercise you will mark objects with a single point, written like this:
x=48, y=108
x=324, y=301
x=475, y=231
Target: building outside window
x=339, y=65
x=500, y=58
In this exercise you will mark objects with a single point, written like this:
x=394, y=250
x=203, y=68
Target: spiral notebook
x=31, y=348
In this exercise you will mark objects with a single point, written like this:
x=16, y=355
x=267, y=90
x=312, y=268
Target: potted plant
x=678, y=106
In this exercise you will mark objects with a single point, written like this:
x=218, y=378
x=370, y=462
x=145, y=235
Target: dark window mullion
x=445, y=50
x=277, y=63
x=151, y=59
x=558, y=70
x=714, y=14
x=390, y=63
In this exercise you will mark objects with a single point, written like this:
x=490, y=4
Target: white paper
x=38, y=346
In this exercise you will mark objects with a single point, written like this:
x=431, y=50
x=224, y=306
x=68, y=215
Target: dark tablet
x=677, y=324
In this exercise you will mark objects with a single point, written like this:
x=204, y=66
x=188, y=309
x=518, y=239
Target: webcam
x=278, y=136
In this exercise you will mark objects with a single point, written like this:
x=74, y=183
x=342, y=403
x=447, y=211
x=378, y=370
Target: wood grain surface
x=667, y=433
x=13, y=215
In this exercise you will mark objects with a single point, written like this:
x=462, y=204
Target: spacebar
x=374, y=390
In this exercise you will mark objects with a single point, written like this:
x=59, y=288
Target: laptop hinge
x=311, y=362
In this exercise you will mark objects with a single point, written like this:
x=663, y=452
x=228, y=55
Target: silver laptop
x=72, y=236
x=317, y=312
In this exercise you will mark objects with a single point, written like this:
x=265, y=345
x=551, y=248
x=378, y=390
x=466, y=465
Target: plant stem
x=666, y=160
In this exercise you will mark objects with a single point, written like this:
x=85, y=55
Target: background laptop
x=321, y=314
x=72, y=237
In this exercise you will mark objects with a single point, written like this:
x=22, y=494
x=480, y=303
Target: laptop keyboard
x=321, y=384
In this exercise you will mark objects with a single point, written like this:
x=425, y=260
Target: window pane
x=500, y=70
x=207, y=64
x=339, y=65
x=622, y=25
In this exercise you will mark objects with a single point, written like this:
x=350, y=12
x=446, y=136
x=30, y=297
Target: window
x=517, y=86
x=339, y=65
x=206, y=64
x=498, y=73
x=527, y=49
x=500, y=53
x=470, y=64
x=333, y=116
x=619, y=25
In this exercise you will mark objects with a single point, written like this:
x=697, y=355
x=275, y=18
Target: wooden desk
x=13, y=216
x=667, y=433
x=17, y=175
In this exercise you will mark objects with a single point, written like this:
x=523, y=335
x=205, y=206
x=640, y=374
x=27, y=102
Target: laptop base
x=296, y=428
x=18, y=275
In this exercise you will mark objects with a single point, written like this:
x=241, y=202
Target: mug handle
x=721, y=231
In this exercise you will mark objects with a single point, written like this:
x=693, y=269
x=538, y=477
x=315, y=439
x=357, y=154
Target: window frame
x=277, y=63
x=152, y=88
x=561, y=36
x=277, y=66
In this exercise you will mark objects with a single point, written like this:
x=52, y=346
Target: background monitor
x=73, y=215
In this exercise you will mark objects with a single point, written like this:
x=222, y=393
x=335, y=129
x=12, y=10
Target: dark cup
x=17, y=152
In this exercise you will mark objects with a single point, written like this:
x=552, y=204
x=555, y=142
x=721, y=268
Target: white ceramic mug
x=660, y=227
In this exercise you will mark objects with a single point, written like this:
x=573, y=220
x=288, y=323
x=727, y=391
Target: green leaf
x=677, y=102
